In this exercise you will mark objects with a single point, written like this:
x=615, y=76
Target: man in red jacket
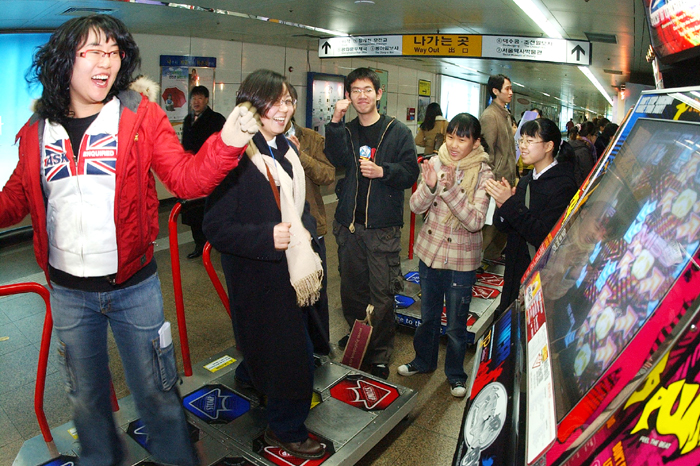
x=86, y=159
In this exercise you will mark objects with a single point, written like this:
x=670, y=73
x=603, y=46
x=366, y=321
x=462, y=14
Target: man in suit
x=199, y=124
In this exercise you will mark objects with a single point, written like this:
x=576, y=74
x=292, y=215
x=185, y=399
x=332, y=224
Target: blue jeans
x=135, y=315
x=454, y=289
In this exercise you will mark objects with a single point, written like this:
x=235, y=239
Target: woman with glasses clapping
x=528, y=212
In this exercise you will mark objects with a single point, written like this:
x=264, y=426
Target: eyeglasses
x=365, y=91
x=287, y=103
x=526, y=142
x=96, y=55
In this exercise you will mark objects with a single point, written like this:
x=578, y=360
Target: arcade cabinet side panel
x=488, y=434
x=659, y=423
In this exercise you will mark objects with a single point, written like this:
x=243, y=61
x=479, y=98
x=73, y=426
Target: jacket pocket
x=164, y=368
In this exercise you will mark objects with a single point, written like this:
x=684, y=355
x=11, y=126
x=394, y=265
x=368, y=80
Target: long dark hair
x=261, y=88
x=52, y=66
x=432, y=111
x=547, y=130
x=466, y=125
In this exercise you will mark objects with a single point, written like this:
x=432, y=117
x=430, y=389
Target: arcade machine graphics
x=485, y=299
x=605, y=301
x=351, y=411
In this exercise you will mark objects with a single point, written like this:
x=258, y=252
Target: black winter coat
x=194, y=135
x=549, y=196
x=270, y=328
x=396, y=154
x=585, y=160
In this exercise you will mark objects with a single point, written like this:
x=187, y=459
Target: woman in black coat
x=257, y=219
x=551, y=186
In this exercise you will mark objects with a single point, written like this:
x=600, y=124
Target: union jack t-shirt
x=80, y=184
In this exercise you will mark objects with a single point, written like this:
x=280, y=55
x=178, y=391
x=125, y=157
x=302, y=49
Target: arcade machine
x=351, y=410
x=598, y=363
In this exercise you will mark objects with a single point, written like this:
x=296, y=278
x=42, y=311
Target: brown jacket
x=319, y=172
x=498, y=133
x=427, y=138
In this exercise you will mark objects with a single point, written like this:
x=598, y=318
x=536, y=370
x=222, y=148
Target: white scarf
x=305, y=269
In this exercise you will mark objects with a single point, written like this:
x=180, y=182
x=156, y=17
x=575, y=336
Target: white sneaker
x=458, y=390
x=407, y=370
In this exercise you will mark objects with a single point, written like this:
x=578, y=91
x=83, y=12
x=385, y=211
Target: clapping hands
x=500, y=191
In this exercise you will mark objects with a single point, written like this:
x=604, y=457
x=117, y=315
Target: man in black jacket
x=379, y=157
x=199, y=124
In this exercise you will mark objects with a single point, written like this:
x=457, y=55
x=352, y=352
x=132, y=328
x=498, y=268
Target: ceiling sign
x=574, y=52
x=459, y=45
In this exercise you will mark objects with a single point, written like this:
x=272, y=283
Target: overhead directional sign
x=564, y=51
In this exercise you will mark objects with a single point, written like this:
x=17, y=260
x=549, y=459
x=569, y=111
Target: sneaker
x=343, y=342
x=380, y=370
x=458, y=390
x=407, y=370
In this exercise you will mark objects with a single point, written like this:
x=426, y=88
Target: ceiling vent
x=613, y=71
x=87, y=11
x=605, y=38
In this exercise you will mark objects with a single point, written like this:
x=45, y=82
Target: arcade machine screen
x=620, y=253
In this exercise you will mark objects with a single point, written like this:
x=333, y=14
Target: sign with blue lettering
x=186, y=60
x=216, y=404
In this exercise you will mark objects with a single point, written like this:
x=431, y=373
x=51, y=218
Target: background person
x=431, y=133
x=380, y=162
x=85, y=175
x=584, y=151
x=452, y=195
x=498, y=135
x=199, y=124
x=256, y=219
x=551, y=186
x=319, y=172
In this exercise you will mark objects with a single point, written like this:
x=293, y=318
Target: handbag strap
x=275, y=190
x=530, y=247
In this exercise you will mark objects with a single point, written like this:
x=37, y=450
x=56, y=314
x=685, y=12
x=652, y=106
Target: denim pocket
x=66, y=367
x=164, y=368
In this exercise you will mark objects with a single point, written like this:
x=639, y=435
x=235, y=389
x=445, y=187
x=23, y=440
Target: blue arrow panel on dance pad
x=216, y=404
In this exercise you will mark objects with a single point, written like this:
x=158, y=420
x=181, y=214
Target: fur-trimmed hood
x=147, y=87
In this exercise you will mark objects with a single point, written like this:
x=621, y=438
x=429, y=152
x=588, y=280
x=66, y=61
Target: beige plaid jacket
x=446, y=246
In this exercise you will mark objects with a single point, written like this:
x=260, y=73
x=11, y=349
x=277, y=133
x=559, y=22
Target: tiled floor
x=427, y=436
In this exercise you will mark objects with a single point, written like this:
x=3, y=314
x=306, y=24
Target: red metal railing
x=206, y=258
x=177, y=288
x=20, y=288
x=412, y=226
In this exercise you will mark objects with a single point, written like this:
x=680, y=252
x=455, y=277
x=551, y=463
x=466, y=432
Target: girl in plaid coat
x=453, y=198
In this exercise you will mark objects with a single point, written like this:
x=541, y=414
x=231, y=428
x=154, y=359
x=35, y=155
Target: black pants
x=370, y=273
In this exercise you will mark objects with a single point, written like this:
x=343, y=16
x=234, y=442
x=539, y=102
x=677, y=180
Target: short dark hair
x=547, y=130
x=261, y=88
x=496, y=82
x=200, y=90
x=52, y=66
x=362, y=73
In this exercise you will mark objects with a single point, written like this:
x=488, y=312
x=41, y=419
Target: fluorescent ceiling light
x=517, y=84
x=536, y=15
x=596, y=83
x=552, y=30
